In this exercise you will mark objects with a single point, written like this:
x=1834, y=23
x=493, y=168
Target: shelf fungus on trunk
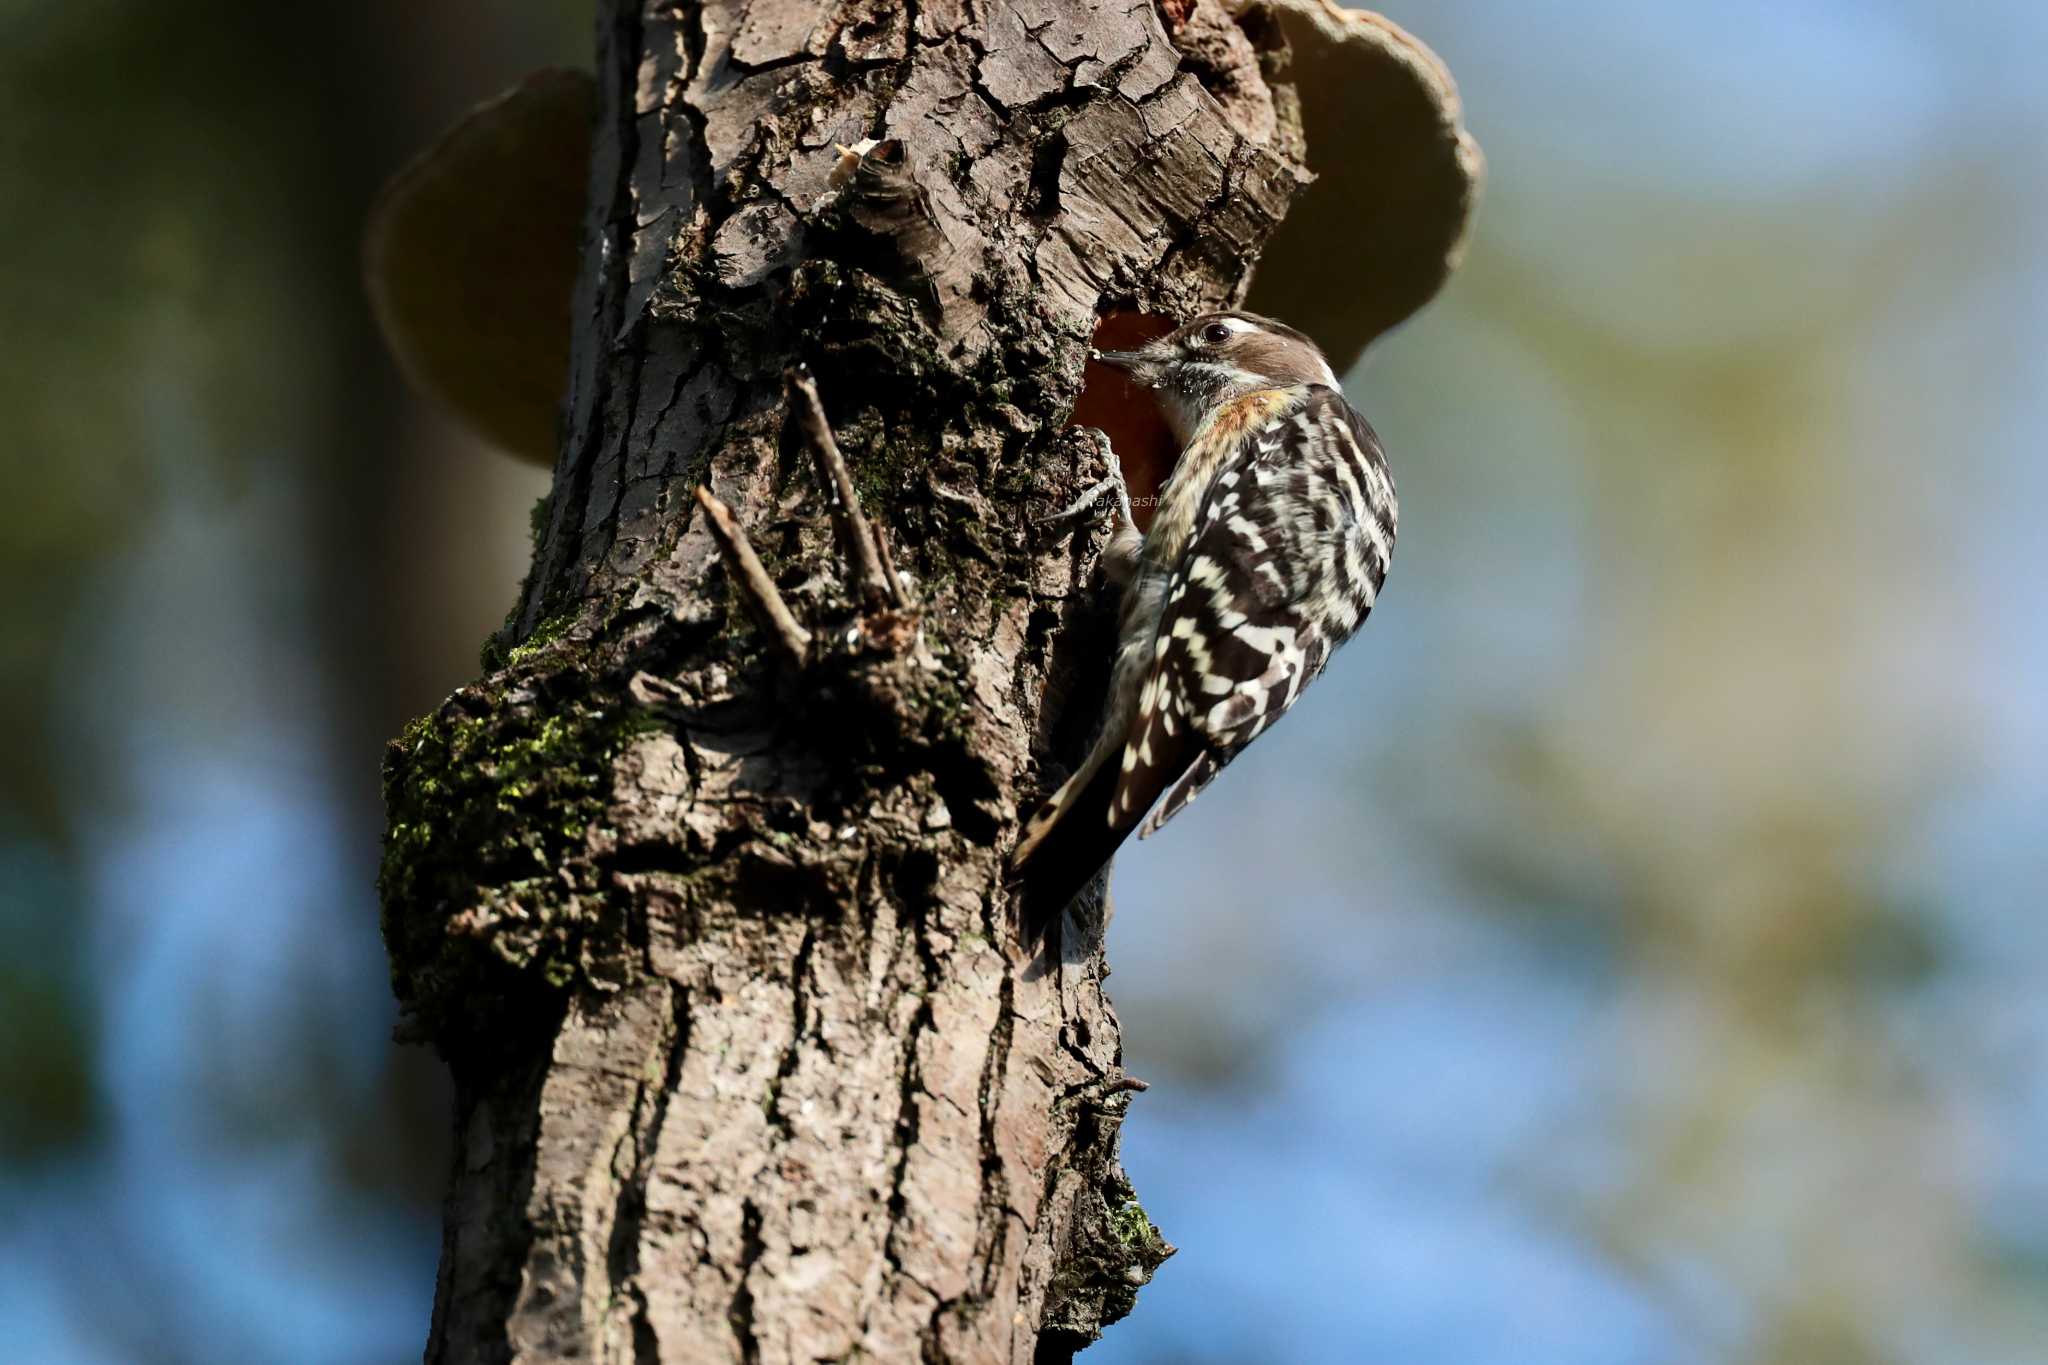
x=483, y=226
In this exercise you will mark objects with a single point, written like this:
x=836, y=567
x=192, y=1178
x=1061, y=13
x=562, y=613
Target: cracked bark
x=712, y=941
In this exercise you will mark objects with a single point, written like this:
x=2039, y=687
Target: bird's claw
x=1112, y=482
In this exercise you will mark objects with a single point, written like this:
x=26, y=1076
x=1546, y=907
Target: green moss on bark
x=1114, y=1251
x=486, y=880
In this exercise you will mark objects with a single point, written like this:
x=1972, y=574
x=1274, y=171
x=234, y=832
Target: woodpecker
x=1267, y=548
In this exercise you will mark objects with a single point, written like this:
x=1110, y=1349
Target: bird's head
x=1216, y=357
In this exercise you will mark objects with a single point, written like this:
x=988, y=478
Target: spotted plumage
x=1269, y=546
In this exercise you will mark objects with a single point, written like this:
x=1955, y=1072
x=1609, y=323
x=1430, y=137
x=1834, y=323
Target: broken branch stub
x=857, y=539
x=791, y=642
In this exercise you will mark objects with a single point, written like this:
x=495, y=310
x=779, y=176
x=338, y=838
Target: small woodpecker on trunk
x=1267, y=549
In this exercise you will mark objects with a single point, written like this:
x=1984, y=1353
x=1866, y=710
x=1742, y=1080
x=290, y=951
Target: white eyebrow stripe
x=1239, y=325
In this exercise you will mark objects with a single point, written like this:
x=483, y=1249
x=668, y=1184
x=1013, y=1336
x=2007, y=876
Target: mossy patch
x=551, y=629
x=1133, y=1228
x=1114, y=1251
x=490, y=800
x=496, y=656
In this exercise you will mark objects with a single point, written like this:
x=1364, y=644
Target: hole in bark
x=915, y=874
x=1047, y=160
x=1127, y=412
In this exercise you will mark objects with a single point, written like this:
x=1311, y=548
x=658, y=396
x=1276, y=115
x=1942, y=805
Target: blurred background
x=1631, y=951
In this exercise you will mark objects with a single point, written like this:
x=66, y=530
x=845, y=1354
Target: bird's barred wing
x=1289, y=551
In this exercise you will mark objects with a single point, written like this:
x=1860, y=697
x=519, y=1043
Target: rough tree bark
x=713, y=943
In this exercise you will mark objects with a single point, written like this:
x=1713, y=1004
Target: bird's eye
x=1215, y=334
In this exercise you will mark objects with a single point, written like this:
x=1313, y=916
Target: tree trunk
x=714, y=938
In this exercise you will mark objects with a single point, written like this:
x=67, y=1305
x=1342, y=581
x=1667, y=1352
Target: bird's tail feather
x=1199, y=773
x=1065, y=844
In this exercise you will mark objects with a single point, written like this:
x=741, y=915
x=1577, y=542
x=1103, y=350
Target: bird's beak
x=1146, y=365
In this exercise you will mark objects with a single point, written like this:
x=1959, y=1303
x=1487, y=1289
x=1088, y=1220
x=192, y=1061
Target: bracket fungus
x=470, y=260
x=1384, y=224
x=471, y=251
